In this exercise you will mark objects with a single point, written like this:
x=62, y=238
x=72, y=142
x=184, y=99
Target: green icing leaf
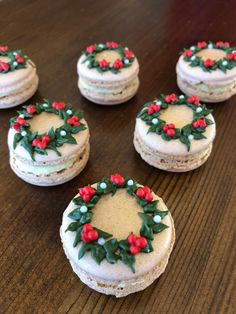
x=128, y=260
x=98, y=253
x=85, y=247
x=17, y=138
x=150, y=207
x=103, y=234
x=78, y=236
x=73, y=226
x=148, y=248
x=124, y=245
x=75, y=214
x=86, y=218
x=146, y=219
x=146, y=231
x=157, y=228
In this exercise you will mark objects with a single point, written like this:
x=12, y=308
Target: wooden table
x=35, y=274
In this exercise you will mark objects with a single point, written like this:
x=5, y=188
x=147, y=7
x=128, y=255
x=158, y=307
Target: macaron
x=174, y=133
x=18, y=78
x=48, y=143
x=117, y=235
x=108, y=73
x=208, y=70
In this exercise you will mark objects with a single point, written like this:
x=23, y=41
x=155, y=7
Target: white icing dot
x=210, y=46
x=69, y=111
x=130, y=182
x=126, y=48
x=83, y=209
x=21, y=116
x=199, y=109
x=157, y=219
x=126, y=61
x=159, y=103
x=23, y=133
x=193, y=58
x=103, y=185
x=15, y=53
x=181, y=97
x=225, y=62
x=15, y=63
x=192, y=48
x=63, y=133
x=155, y=121
x=190, y=137
x=101, y=241
x=233, y=51
x=87, y=62
x=45, y=105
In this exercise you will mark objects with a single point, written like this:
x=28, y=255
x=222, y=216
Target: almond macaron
x=108, y=73
x=208, y=70
x=48, y=143
x=117, y=235
x=18, y=78
x=174, y=133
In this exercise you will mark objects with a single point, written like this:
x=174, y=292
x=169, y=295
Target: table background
x=35, y=276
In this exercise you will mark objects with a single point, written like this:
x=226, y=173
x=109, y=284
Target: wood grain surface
x=35, y=276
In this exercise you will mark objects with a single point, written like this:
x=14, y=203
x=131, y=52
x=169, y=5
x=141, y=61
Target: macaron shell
x=162, y=244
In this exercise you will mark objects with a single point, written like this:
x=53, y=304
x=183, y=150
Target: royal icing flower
x=117, y=179
x=144, y=193
x=73, y=121
x=112, y=44
x=86, y=193
x=58, y=105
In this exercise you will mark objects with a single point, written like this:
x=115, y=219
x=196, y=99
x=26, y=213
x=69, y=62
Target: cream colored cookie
x=174, y=133
x=108, y=74
x=18, y=78
x=48, y=151
x=117, y=215
x=208, y=70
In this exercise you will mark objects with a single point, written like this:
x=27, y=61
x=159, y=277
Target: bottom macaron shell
x=122, y=288
x=212, y=97
x=171, y=163
x=20, y=97
x=54, y=178
x=111, y=98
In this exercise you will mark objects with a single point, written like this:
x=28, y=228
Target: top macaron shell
x=119, y=271
x=108, y=77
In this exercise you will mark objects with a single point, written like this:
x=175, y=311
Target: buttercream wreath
x=151, y=115
x=126, y=57
x=223, y=64
x=54, y=138
x=102, y=245
x=17, y=60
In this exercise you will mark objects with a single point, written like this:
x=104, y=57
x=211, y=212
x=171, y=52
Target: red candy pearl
x=132, y=238
x=140, y=193
x=171, y=126
x=134, y=249
x=146, y=189
x=170, y=132
x=148, y=197
x=196, y=124
x=16, y=127
x=85, y=237
x=87, y=228
x=93, y=235
x=141, y=242
x=31, y=109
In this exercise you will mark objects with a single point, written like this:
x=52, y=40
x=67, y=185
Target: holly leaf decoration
x=78, y=236
x=75, y=214
x=103, y=234
x=159, y=227
x=85, y=247
x=17, y=138
x=146, y=231
x=73, y=226
x=98, y=253
x=150, y=207
x=128, y=260
x=111, y=247
x=148, y=248
x=146, y=219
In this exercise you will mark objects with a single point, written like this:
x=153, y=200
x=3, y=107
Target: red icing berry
x=170, y=132
x=146, y=189
x=201, y=123
x=85, y=238
x=132, y=238
x=171, y=98
x=118, y=64
x=86, y=193
x=87, y=228
x=128, y=54
x=223, y=44
x=153, y=108
x=208, y=63
x=231, y=56
x=148, y=197
x=16, y=127
x=90, y=49
x=19, y=59
x=188, y=53
x=171, y=125
x=104, y=64
x=117, y=179
x=4, y=66
x=140, y=193
x=58, y=105
x=196, y=124
x=112, y=44
x=194, y=100
x=42, y=144
x=93, y=235
x=73, y=121
x=144, y=193
x=21, y=121
x=141, y=242
x=3, y=48
x=165, y=128
x=46, y=139
x=201, y=44
x=31, y=109
x=134, y=250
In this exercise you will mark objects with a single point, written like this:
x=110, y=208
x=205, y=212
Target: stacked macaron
x=117, y=235
x=18, y=78
x=208, y=70
x=108, y=73
x=48, y=143
x=174, y=133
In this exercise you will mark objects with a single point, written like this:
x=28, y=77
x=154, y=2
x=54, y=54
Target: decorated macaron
x=208, y=70
x=48, y=143
x=108, y=73
x=18, y=77
x=174, y=133
x=117, y=235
